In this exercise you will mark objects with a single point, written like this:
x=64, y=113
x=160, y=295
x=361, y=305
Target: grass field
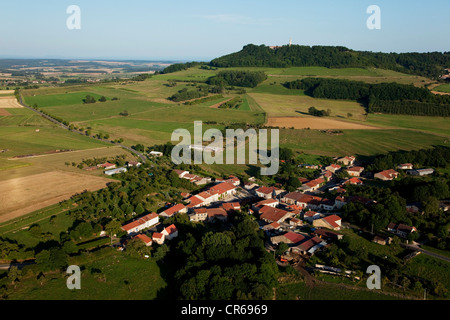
x=443, y=88
x=122, y=279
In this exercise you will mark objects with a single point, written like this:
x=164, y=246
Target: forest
x=429, y=64
x=238, y=78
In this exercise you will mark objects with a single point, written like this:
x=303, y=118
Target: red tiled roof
x=294, y=237
x=216, y=212
x=223, y=187
x=267, y=190
x=157, y=235
x=176, y=208
x=171, y=229
x=305, y=246
x=144, y=238
x=137, y=223
x=194, y=201
x=332, y=220
x=315, y=182
x=272, y=214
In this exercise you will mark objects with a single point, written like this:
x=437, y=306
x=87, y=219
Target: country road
x=62, y=125
x=429, y=253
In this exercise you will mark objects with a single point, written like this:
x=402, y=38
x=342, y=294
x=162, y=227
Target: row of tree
x=238, y=78
x=390, y=98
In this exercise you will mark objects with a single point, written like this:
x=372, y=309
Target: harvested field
x=9, y=102
x=315, y=123
x=20, y=196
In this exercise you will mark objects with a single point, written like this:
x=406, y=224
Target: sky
x=199, y=30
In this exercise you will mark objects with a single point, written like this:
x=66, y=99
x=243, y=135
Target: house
x=272, y=226
x=332, y=222
x=355, y=171
x=268, y=192
x=382, y=240
x=339, y=202
x=181, y=173
x=231, y=207
x=144, y=238
x=405, y=166
x=327, y=204
x=267, y=202
x=106, y=166
x=250, y=185
x=194, y=202
x=333, y=168
x=347, y=161
x=302, y=200
x=387, y=175
x=310, y=216
x=170, y=232
x=295, y=222
x=142, y=223
x=421, y=172
x=290, y=238
x=327, y=234
x=178, y=208
x=354, y=181
x=231, y=180
x=155, y=154
x=310, y=246
x=223, y=190
x=219, y=214
x=200, y=181
x=270, y=214
x=198, y=215
x=134, y=164
x=115, y=171
x=401, y=230
x=158, y=238
x=312, y=185
x=327, y=175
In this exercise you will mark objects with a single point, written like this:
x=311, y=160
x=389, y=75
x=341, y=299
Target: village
x=304, y=220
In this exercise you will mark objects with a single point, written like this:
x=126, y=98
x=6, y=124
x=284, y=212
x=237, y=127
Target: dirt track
x=20, y=196
x=315, y=123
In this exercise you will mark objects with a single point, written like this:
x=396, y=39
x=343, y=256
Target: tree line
x=238, y=78
x=392, y=98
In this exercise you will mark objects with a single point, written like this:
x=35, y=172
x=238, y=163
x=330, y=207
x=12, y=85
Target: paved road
x=429, y=253
x=6, y=266
x=62, y=125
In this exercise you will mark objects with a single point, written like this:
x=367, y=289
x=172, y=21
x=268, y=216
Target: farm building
x=332, y=222
x=115, y=171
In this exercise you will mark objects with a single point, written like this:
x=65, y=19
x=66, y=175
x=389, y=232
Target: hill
x=431, y=64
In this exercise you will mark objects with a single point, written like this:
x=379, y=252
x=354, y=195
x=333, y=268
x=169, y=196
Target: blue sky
x=202, y=30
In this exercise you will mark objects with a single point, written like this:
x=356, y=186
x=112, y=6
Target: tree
x=113, y=228
x=102, y=99
x=14, y=274
x=282, y=248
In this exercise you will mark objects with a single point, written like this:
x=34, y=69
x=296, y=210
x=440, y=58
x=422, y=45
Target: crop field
x=289, y=105
x=20, y=196
x=60, y=99
x=8, y=102
x=443, y=88
x=315, y=123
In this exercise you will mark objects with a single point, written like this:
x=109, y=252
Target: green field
x=443, y=88
x=61, y=99
x=123, y=278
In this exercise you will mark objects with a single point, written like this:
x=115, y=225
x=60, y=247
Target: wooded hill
x=431, y=64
